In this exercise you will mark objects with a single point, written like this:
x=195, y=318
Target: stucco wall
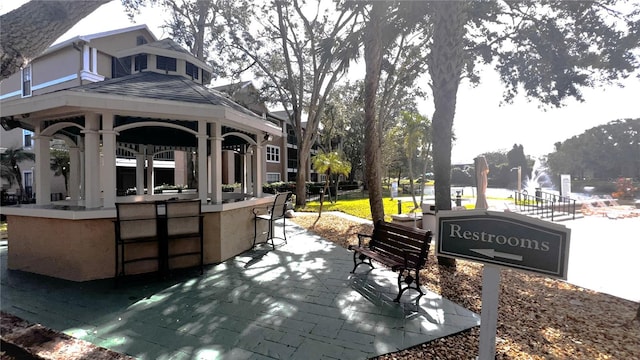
x=81, y=250
x=53, y=247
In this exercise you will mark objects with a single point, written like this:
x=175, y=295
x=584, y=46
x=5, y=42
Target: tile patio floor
x=297, y=302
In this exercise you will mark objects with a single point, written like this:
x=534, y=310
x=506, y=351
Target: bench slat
x=402, y=249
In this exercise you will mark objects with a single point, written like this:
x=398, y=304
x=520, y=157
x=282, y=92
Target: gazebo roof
x=153, y=85
x=141, y=95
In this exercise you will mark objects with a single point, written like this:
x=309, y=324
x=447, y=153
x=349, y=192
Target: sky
x=481, y=125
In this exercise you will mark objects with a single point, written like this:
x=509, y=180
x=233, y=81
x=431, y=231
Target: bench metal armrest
x=406, y=257
x=361, y=237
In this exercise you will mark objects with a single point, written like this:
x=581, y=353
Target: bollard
x=458, y=198
x=399, y=207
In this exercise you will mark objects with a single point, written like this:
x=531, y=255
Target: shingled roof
x=152, y=85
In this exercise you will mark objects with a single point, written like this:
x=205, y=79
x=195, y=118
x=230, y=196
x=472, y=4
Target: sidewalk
x=297, y=302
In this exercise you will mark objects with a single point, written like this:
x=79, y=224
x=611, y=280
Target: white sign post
x=500, y=239
x=489, y=313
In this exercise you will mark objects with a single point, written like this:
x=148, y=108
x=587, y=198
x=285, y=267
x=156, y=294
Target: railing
x=545, y=205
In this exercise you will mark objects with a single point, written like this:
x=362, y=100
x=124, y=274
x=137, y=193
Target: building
x=282, y=151
x=132, y=63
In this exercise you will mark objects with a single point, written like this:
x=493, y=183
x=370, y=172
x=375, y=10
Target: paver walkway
x=297, y=302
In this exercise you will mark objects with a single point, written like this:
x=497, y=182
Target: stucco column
x=91, y=161
x=74, y=173
x=43, y=168
x=251, y=149
x=180, y=167
x=150, y=180
x=81, y=167
x=244, y=158
x=202, y=161
x=257, y=169
x=108, y=170
x=228, y=166
x=140, y=173
x=86, y=58
x=216, y=163
x=94, y=60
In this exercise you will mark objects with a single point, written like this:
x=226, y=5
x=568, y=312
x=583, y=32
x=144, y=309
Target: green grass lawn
x=361, y=209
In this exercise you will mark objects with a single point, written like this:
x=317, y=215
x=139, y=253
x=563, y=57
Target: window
x=273, y=177
x=192, y=70
x=27, y=138
x=26, y=81
x=140, y=40
x=27, y=178
x=273, y=154
x=140, y=62
x=206, y=77
x=120, y=67
x=165, y=63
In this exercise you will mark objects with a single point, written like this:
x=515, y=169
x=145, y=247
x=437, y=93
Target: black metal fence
x=545, y=205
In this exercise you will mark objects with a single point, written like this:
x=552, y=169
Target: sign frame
x=513, y=257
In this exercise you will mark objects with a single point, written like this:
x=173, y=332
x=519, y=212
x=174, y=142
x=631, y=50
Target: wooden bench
x=401, y=248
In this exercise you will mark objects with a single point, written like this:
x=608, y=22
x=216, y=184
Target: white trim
x=88, y=75
x=273, y=154
x=90, y=37
x=12, y=94
x=41, y=86
x=157, y=164
x=55, y=82
x=24, y=133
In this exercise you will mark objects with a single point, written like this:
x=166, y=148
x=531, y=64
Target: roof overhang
x=62, y=104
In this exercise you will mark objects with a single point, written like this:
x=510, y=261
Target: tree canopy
x=32, y=28
x=603, y=152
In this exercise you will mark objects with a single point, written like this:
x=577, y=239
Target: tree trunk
x=373, y=61
x=32, y=28
x=301, y=183
x=445, y=67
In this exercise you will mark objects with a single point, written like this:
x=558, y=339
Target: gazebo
x=140, y=114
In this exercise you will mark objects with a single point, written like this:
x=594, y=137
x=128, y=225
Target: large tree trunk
x=32, y=28
x=373, y=61
x=445, y=68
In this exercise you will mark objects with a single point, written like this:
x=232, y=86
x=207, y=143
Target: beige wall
x=113, y=43
x=35, y=247
x=48, y=68
x=11, y=84
x=236, y=231
x=104, y=65
x=82, y=250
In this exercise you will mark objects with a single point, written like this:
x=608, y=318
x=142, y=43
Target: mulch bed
x=22, y=340
x=538, y=317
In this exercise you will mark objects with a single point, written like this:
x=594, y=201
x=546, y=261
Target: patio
x=297, y=302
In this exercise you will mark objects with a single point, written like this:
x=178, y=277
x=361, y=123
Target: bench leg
x=362, y=261
x=408, y=279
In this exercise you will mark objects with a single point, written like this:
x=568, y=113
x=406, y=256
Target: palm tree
x=10, y=160
x=32, y=28
x=60, y=165
x=445, y=68
x=417, y=141
x=330, y=163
